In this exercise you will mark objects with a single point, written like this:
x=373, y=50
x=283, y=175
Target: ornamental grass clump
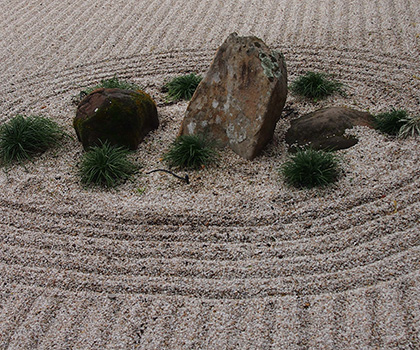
x=191, y=152
x=311, y=168
x=411, y=127
x=183, y=87
x=316, y=86
x=112, y=83
x=106, y=166
x=391, y=122
x=22, y=137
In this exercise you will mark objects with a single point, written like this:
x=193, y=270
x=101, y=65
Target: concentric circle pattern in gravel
x=236, y=259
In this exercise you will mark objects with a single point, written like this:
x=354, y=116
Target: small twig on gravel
x=186, y=178
x=288, y=110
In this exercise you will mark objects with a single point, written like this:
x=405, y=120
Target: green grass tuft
x=315, y=86
x=191, y=152
x=183, y=87
x=113, y=83
x=311, y=168
x=21, y=138
x=411, y=127
x=106, y=166
x=391, y=122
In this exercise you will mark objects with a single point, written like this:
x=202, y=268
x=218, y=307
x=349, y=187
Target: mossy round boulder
x=121, y=117
x=325, y=128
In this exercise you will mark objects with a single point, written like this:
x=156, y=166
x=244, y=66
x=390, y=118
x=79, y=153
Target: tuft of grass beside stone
x=106, y=166
x=182, y=87
x=22, y=137
x=391, y=122
x=316, y=86
x=411, y=127
x=112, y=83
x=191, y=152
x=311, y=168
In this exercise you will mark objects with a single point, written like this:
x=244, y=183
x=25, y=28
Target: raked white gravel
x=236, y=259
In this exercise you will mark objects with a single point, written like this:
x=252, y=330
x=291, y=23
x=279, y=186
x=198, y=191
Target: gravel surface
x=236, y=259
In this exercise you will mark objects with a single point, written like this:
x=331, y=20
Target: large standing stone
x=121, y=117
x=325, y=128
x=240, y=100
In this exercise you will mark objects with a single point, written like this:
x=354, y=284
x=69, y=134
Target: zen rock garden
x=237, y=104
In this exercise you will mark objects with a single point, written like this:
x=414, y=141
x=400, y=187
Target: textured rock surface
x=121, y=117
x=241, y=98
x=324, y=128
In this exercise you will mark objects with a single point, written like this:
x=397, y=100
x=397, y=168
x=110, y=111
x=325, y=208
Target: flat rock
x=324, y=129
x=241, y=98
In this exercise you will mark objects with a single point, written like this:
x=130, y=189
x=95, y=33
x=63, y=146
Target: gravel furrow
x=236, y=259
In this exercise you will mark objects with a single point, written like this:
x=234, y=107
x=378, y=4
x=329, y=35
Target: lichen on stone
x=270, y=64
x=235, y=136
x=191, y=127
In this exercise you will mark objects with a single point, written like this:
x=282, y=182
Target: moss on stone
x=123, y=118
x=271, y=64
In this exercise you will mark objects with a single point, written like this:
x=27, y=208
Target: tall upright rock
x=241, y=98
